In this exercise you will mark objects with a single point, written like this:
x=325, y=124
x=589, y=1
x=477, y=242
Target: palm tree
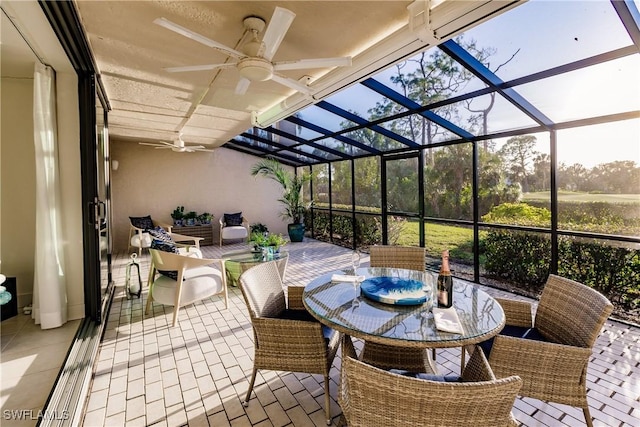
x=294, y=206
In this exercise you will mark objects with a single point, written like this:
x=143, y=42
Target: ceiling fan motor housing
x=255, y=69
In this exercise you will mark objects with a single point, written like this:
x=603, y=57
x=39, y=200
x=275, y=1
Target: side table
x=237, y=262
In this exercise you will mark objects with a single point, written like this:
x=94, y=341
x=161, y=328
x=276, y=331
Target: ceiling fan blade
x=293, y=84
x=242, y=86
x=205, y=67
x=274, y=34
x=157, y=144
x=163, y=22
x=208, y=150
x=313, y=63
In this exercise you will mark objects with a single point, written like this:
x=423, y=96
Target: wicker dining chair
x=409, y=257
x=551, y=354
x=285, y=339
x=386, y=356
x=370, y=396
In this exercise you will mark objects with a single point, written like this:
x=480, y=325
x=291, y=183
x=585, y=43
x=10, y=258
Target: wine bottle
x=445, y=283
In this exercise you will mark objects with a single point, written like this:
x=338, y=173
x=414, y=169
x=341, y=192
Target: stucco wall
x=153, y=182
x=18, y=185
x=17, y=196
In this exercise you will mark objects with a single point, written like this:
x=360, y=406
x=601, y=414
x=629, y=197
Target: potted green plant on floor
x=294, y=206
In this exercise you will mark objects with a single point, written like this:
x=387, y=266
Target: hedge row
x=519, y=258
x=523, y=258
x=597, y=217
x=368, y=227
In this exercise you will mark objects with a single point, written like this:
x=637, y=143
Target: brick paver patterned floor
x=150, y=374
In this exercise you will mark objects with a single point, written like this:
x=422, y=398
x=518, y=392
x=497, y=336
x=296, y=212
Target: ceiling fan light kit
x=255, y=69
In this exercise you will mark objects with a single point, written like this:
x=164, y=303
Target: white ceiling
x=150, y=104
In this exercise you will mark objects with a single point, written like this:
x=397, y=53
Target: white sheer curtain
x=49, y=287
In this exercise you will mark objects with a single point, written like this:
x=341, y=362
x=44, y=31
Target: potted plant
x=205, y=218
x=178, y=215
x=263, y=240
x=190, y=217
x=259, y=228
x=294, y=206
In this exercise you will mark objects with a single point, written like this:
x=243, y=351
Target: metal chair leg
x=253, y=380
x=327, y=400
x=587, y=416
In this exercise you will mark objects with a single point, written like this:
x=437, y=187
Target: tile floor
x=195, y=374
x=30, y=360
x=150, y=374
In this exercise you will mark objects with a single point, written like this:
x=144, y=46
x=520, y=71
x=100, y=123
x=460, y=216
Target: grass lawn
x=571, y=196
x=459, y=240
x=439, y=237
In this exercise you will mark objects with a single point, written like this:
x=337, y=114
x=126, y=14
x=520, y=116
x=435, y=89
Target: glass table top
x=251, y=256
x=342, y=306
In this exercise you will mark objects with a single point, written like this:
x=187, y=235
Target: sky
x=544, y=34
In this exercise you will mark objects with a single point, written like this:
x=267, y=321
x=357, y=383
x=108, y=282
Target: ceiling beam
x=415, y=107
x=459, y=54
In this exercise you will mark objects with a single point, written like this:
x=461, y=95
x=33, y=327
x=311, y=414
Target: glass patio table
x=237, y=262
x=341, y=307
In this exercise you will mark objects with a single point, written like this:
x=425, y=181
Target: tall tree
x=519, y=153
x=540, y=180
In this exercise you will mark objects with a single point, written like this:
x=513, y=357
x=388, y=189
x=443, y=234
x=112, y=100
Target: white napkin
x=447, y=320
x=346, y=278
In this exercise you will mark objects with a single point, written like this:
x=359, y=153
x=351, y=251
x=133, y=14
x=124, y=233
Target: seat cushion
x=232, y=219
x=304, y=315
x=236, y=232
x=190, y=251
x=141, y=240
x=429, y=377
x=535, y=335
x=199, y=283
x=510, y=331
x=143, y=222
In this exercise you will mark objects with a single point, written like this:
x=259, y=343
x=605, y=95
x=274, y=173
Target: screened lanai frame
x=307, y=144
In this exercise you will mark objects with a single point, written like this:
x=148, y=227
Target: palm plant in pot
x=294, y=206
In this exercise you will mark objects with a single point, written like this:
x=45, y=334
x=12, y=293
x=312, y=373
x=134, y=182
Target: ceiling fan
x=254, y=62
x=177, y=145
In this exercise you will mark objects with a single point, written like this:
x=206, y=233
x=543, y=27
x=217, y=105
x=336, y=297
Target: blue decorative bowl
x=394, y=290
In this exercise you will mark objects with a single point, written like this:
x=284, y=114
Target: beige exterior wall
x=17, y=188
x=153, y=182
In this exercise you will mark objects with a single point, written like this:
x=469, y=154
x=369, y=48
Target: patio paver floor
x=196, y=374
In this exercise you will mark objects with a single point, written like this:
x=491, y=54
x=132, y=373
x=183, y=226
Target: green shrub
x=596, y=217
x=368, y=229
x=613, y=271
x=518, y=214
x=521, y=258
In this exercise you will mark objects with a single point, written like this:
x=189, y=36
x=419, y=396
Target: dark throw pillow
x=233, y=219
x=143, y=222
x=161, y=234
x=165, y=247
